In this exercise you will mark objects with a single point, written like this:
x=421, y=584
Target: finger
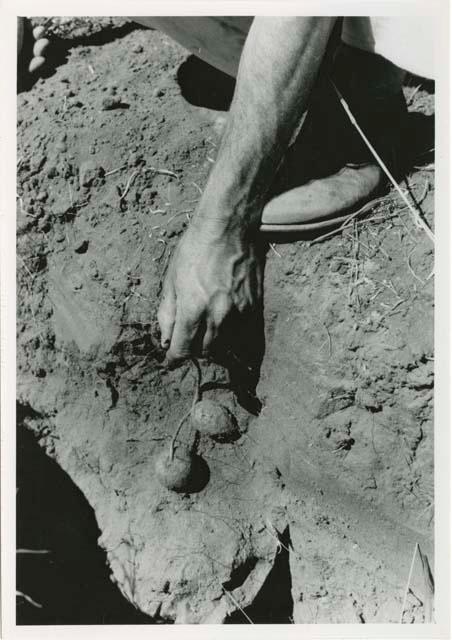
x=184, y=334
x=166, y=315
x=209, y=337
x=220, y=309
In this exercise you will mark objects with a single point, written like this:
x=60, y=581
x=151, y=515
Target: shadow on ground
x=72, y=582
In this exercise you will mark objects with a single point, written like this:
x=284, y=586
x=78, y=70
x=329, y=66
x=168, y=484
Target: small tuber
x=214, y=420
x=181, y=470
x=175, y=472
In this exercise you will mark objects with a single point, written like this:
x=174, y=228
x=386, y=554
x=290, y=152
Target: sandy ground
x=312, y=514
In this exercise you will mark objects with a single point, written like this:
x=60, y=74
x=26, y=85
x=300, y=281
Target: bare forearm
x=278, y=67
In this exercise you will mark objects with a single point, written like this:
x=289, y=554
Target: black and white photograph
x=225, y=307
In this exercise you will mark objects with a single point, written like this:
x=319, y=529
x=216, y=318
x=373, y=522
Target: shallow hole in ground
x=274, y=603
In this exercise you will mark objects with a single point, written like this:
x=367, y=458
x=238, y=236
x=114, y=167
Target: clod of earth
x=111, y=102
x=214, y=420
x=89, y=171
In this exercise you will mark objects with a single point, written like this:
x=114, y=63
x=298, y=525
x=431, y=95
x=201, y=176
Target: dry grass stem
x=272, y=247
x=364, y=209
x=415, y=552
x=130, y=182
x=418, y=220
x=163, y=172
x=196, y=398
x=237, y=604
x=413, y=93
x=29, y=599
x=411, y=268
x=113, y=171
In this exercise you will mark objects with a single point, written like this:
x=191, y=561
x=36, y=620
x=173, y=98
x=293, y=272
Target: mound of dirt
x=310, y=515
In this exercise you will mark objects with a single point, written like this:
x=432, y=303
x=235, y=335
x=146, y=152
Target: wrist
x=227, y=212
x=226, y=223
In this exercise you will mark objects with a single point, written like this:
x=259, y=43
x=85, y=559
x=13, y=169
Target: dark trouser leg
x=329, y=159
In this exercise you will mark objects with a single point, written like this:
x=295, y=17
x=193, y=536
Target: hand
x=212, y=273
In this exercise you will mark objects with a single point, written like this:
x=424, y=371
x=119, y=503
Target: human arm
x=215, y=268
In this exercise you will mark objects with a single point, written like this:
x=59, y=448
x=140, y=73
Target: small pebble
x=44, y=224
x=37, y=163
x=110, y=102
x=176, y=228
x=135, y=159
x=133, y=281
x=367, y=400
x=370, y=483
x=42, y=196
x=77, y=284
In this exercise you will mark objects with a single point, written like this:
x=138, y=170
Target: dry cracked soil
x=311, y=514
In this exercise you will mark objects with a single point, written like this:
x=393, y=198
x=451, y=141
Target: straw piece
x=429, y=586
x=237, y=605
x=419, y=222
x=407, y=588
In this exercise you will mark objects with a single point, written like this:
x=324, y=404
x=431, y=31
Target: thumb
x=166, y=315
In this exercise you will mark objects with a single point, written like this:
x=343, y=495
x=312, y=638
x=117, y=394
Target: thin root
x=196, y=398
x=130, y=182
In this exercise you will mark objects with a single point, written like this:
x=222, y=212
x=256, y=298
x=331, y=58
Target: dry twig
x=196, y=397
